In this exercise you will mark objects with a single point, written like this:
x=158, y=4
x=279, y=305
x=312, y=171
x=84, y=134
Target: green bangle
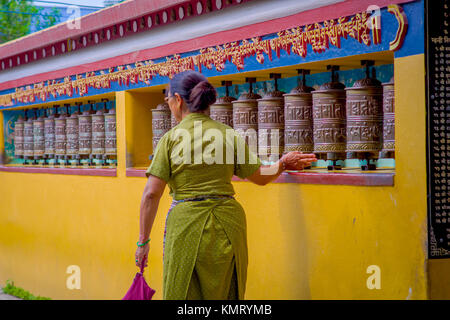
x=143, y=244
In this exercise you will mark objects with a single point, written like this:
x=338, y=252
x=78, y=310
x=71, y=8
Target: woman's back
x=199, y=157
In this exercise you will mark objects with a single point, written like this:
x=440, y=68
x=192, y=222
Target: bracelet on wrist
x=143, y=244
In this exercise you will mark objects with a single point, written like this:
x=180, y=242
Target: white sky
x=96, y=3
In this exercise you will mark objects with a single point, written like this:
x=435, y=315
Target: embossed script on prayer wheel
x=222, y=109
x=49, y=134
x=85, y=132
x=329, y=119
x=38, y=136
x=365, y=116
x=28, y=138
x=245, y=115
x=72, y=141
x=389, y=117
x=271, y=124
x=298, y=134
x=18, y=137
x=60, y=134
x=173, y=121
x=110, y=132
x=161, y=122
x=98, y=131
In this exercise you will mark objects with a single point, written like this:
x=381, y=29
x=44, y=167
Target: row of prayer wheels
x=334, y=122
x=57, y=135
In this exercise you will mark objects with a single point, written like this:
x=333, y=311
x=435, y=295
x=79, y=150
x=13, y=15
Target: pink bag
x=139, y=289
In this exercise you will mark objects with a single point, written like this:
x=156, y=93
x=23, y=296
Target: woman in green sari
x=205, y=241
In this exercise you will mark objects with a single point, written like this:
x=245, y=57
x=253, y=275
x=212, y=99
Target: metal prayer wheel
x=38, y=136
x=245, y=115
x=85, y=132
x=110, y=133
x=222, y=109
x=18, y=137
x=388, y=150
x=98, y=130
x=49, y=134
x=28, y=137
x=60, y=132
x=298, y=105
x=173, y=121
x=161, y=122
x=365, y=117
x=271, y=123
x=72, y=135
x=329, y=120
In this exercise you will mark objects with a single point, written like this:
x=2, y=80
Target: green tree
x=16, y=17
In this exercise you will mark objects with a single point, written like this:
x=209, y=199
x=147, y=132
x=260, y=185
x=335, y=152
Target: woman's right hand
x=296, y=160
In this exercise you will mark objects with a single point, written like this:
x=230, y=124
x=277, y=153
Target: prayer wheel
x=72, y=142
x=298, y=103
x=85, y=132
x=365, y=117
x=329, y=120
x=28, y=138
x=222, y=109
x=161, y=122
x=38, y=136
x=173, y=121
x=388, y=150
x=110, y=134
x=271, y=123
x=245, y=115
x=60, y=133
x=98, y=131
x=18, y=138
x=49, y=134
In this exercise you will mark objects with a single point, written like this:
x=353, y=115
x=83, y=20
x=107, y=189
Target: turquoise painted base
x=386, y=163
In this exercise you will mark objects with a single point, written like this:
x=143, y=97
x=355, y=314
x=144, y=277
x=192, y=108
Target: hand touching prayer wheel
x=298, y=118
x=222, y=109
x=330, y=120
x=365, y=117
x=245, y=115
x=271, y=123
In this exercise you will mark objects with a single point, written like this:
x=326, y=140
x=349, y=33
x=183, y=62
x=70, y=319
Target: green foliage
x=12, y=290
x=17, y=16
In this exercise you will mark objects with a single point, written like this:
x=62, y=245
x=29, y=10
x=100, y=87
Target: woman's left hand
x=142, y=255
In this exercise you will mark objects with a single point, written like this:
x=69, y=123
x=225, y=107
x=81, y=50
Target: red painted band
x=350, y=179
x=316, y=15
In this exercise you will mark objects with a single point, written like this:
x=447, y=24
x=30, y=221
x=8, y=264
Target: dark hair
x=195, y=90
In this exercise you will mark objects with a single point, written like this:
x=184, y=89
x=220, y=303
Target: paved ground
x=4, y=296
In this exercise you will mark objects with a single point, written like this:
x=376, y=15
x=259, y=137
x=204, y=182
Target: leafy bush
x=11, y=289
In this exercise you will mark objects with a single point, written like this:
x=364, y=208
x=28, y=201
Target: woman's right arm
x=290, y=161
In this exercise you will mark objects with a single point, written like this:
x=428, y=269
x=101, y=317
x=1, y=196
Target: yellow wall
x=305, y=241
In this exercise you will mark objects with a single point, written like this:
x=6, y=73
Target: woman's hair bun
x=202, y=96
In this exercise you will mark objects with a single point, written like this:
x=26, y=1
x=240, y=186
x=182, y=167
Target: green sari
x=205, y=250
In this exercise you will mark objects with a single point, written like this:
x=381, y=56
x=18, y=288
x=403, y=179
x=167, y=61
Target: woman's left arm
x=153, y=191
